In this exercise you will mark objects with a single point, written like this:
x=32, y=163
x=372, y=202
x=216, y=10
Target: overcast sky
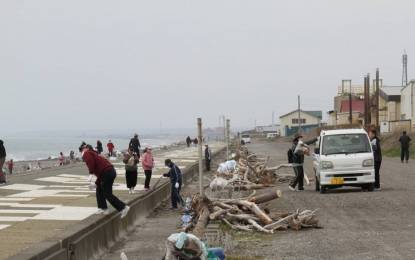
x=83, y=64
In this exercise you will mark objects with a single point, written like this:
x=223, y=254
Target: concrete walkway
x=38, y=206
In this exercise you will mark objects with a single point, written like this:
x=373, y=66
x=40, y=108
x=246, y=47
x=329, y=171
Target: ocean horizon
x=40, y=145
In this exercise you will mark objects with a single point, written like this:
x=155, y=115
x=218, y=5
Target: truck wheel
x=317, y=183
x=322, y=189
x=371, y=187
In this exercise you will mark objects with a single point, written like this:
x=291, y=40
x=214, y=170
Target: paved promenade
x=37, y=206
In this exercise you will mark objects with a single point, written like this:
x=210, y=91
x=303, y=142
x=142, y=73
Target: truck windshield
x=346, y=144
x=245, y=136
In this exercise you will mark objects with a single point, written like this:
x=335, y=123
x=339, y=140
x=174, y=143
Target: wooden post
x=228, y=125
x=199, y=130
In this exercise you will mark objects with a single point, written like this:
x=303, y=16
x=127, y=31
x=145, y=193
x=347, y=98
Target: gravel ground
x=355, y=224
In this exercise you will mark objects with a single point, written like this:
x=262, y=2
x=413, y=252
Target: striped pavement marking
x=3, y=226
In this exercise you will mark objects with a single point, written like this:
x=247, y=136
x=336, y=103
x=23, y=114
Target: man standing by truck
x=298, y=160
x=377, y=155
x=405, y=142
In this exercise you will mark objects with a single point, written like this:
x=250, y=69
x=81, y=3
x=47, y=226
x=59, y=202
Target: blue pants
x=175, y=195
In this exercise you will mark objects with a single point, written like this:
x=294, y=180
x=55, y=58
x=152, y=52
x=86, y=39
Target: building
x=358, y=112
x=389, y=103
x=268, y=129
x=290, y=122
x=408, y=102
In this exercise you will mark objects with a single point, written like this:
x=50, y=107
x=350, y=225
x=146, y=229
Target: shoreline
x=31, y=166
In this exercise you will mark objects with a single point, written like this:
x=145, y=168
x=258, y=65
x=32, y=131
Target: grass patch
x=393, y=152
x=396, y=152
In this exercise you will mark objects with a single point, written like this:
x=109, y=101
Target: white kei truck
x=343, y=157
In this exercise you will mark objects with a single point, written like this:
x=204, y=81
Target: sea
x=47, y=145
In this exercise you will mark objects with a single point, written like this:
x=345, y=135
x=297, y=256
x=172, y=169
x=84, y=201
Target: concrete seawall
x=89, y=239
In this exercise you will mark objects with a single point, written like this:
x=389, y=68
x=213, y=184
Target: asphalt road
x=356, y=224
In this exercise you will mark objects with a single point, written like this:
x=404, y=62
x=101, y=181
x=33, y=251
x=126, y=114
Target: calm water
x=42, y=147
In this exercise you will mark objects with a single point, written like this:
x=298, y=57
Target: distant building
x=408, y=102
x=268, y=129
x=309, y=120
x=389, y=103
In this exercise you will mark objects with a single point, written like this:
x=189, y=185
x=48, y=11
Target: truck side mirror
x=317, y=150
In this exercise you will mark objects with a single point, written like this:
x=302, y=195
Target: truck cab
x=246, y=138
x=343, y=158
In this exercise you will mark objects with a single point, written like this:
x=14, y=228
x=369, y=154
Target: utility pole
x=377, y=98
x=228, y=125
x=404, y=69
x=365, y=99
x=369, y=102
x=299, y=115
x=348, y=81
x=224, y=128
x=199, y=133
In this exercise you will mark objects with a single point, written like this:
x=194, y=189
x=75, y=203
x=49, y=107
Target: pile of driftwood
x=251, y=172
x=247, y=214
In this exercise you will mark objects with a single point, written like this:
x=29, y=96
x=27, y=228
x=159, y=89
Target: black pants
x=404, y=154
x=299, y=178
x=175, y=195
x=377, y=177
x=207, y=162
x=104, y=191
x=131, y=178
x=148, y=178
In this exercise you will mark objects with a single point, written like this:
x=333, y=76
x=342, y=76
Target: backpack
x=131, y=161
x=290, y=155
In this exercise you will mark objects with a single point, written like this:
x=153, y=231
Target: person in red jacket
x=105, y=173
x=110, y=147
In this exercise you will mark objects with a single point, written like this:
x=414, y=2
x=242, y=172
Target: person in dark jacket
x=298, y=161
x=135, y=145
x=131, y=161
x=2, y=156
x=175, y=176
x=99, y=147
x=377, y=155
x=188, y=141
x=208, y=157
x=405, y=141
x=105, y=174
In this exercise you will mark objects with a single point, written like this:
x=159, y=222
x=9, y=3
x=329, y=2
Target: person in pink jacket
x=148, y=165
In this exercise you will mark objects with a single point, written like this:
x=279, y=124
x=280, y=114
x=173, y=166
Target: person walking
x=2, y=160
x=405, y=141
x=61, y=159
x=195, y=141
x=176, y=182
x=105, y=174
x=10, y=165
x=298, y=161
x=131, y=160
x=72, y=156
x=99, y=147
x=148, y=165
x=377, y=155
x=208, y=157
x=135, y=145
x=188, y=141
x=110, y=147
